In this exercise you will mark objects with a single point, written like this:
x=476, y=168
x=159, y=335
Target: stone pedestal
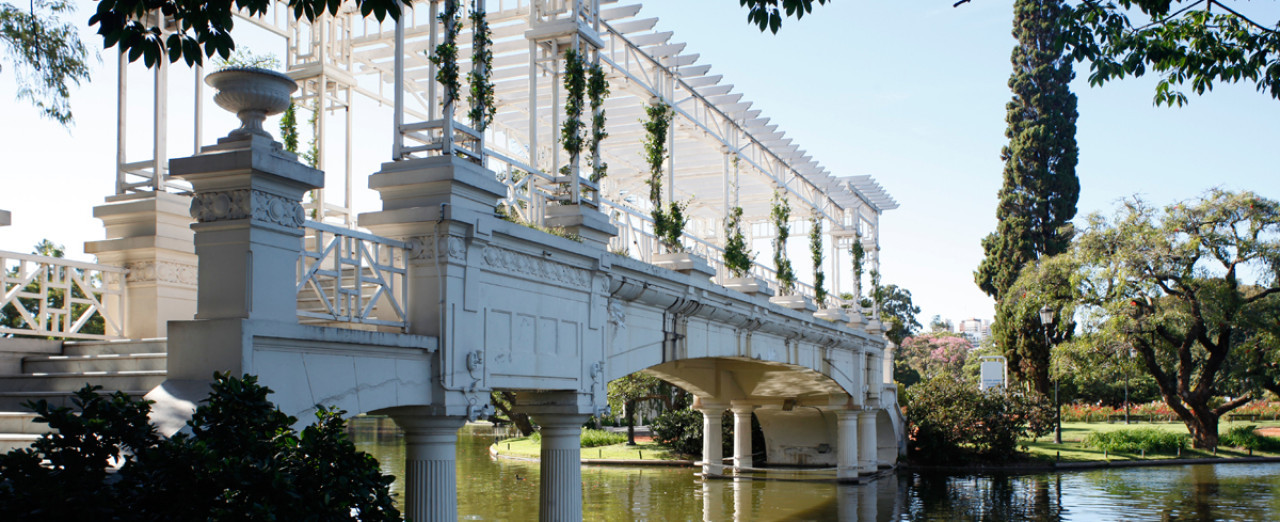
x=794, y=302
x=712, y=441
x=742, y=435
x=589, y=224
x=749, y=286
x=847, y=444
x=430, y=467
x=835, y=315
x=684, y=263
x=412, y=192
x=248, y=209
x=856, y=321
x=867, y=441
x=149, y=234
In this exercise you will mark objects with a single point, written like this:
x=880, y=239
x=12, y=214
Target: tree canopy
x=47, y=55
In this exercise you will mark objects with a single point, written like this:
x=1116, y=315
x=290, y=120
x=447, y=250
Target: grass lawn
x=1073, y=432
x=526, y=447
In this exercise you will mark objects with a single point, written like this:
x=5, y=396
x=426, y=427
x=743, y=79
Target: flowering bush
x=936, y=354
x=950, y=421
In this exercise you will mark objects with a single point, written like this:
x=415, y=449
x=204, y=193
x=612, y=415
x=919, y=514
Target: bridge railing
x=45, y=296
x=348, y=276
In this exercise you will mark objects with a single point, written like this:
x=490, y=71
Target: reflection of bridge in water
x=447, y=293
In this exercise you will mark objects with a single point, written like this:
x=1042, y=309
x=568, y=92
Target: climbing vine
x=445, y=57
x=781, y=214
x=737, y=258
x=597, y=91
x=575, y=86
x=859, y=254
x=480, y=77
x=815, y=248
x=668, y=223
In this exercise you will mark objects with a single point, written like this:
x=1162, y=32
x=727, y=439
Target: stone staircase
x=134, y=367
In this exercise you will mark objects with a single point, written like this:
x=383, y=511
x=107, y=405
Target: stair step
x=72, y=381
x=13, y=401
x=94, y=363
x=21, y=423
x=120, y=347
x=12, y=441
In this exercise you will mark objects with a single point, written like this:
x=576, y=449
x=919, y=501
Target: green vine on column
x=575, y=86
x=815, y=248
x=480, y=77
x=668, y=222
x=781, y=213
x=859, y=254
x=445, y=57
x=737, y=258
x=597, y=92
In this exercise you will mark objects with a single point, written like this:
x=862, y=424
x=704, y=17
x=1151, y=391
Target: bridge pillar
x=867, y=441
x=712, y=437
x=430, y=467
x=847, y=445
x=742, y=435
x=560, y=414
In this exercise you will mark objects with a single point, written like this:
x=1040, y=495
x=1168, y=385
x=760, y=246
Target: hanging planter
x=252, y=93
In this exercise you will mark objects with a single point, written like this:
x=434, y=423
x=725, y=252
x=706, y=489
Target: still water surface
x=508, y=490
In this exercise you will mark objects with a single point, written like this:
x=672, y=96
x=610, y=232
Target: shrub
x=593, y=438
x=1246, y=437
x=681, y=430
x=242, y=461
x=1136, y=440
x=950, y=421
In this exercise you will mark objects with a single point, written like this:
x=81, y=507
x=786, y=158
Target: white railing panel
x=53, y=297
x=348, y=276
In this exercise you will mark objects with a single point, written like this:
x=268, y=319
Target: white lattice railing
x=350, y=276
x=59, y=298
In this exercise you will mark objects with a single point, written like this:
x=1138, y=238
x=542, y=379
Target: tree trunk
x=1201, y=422
x=629, y=410
x=520, y=420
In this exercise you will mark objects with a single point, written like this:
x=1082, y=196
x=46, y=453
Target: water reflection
x=492, y=489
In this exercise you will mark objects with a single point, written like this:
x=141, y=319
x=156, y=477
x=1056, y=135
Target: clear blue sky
x=912, y=93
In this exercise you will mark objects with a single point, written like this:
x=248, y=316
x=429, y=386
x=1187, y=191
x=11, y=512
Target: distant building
x=975, y=330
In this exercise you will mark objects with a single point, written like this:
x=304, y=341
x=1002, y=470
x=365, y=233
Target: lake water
x=492, y=489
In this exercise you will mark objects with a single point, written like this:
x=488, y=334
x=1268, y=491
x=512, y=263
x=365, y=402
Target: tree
x=898, y=313
x=1195, y=290
x=48, y=57
x=1198, y=42
x=240, y=461
x=951, y=421
x=1040, y=190
x=628, y=391
x=940, y=354
x=504, y=404
x=1046, y=282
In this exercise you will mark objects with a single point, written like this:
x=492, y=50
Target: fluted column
x=867, y=441
x=712, y=439
x=742, y=435
x=430, y=467
x=847, y=445
x=560, y=486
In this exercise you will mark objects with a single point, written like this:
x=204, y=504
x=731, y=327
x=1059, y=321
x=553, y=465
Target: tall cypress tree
x=1038, y=198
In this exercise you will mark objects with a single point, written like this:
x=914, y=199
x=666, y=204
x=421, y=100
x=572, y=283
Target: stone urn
x=253, y=94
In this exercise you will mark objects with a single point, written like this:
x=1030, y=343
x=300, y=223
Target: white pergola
x=725, y=152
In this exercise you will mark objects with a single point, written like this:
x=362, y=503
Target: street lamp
x=1046, y=319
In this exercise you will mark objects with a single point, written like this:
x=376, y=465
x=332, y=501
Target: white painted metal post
x=560, y=484
x=198, y=131
x=122, y=91
x=742, y=436
x=160, y=126
x=867, y=441
x=397, y=138
x=847, y=445
x=430, y=467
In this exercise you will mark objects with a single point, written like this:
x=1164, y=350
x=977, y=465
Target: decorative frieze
x=444, y=247
x=263, y=207
x=536, y=268
x=162, y=272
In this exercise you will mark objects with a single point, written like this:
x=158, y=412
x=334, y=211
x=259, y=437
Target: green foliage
x=1183, y=41
x=1017, y=328
x=897, y=313
x=668, y=221
x=289, y=128
x=1040, y=190
x=859, y=256
x=781, y=214
x=1247, y=437
x=950, y=422
x=737, y=257
x=593, y=438
x=597, y=92
x=815, y=249
x=241, y=461
x=1136, y=440
x=445, y=57
x=246, y=58
x=575, y=87
x=480, y=78
x=48, y=57
x=767, y=14
x=1193, y=289
x=681, y=430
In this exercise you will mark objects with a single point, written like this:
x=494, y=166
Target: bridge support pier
x=430, y=467
x=742, y=435
x=867, y=441
x=712, y=437
x=560, y=486
x=847, y=445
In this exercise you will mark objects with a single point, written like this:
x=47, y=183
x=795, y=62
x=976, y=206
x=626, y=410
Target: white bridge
x=452, y=288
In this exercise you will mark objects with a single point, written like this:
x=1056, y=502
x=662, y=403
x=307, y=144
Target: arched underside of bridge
x=796, y=406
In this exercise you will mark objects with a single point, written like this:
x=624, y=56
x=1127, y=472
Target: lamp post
x=1046, y=319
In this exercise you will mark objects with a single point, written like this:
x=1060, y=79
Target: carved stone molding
x=536, y=268
x=208, y=207
x=162, y=272
x=448, y=246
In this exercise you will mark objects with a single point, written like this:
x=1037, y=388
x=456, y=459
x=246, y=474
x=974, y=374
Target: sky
x=911, y=93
